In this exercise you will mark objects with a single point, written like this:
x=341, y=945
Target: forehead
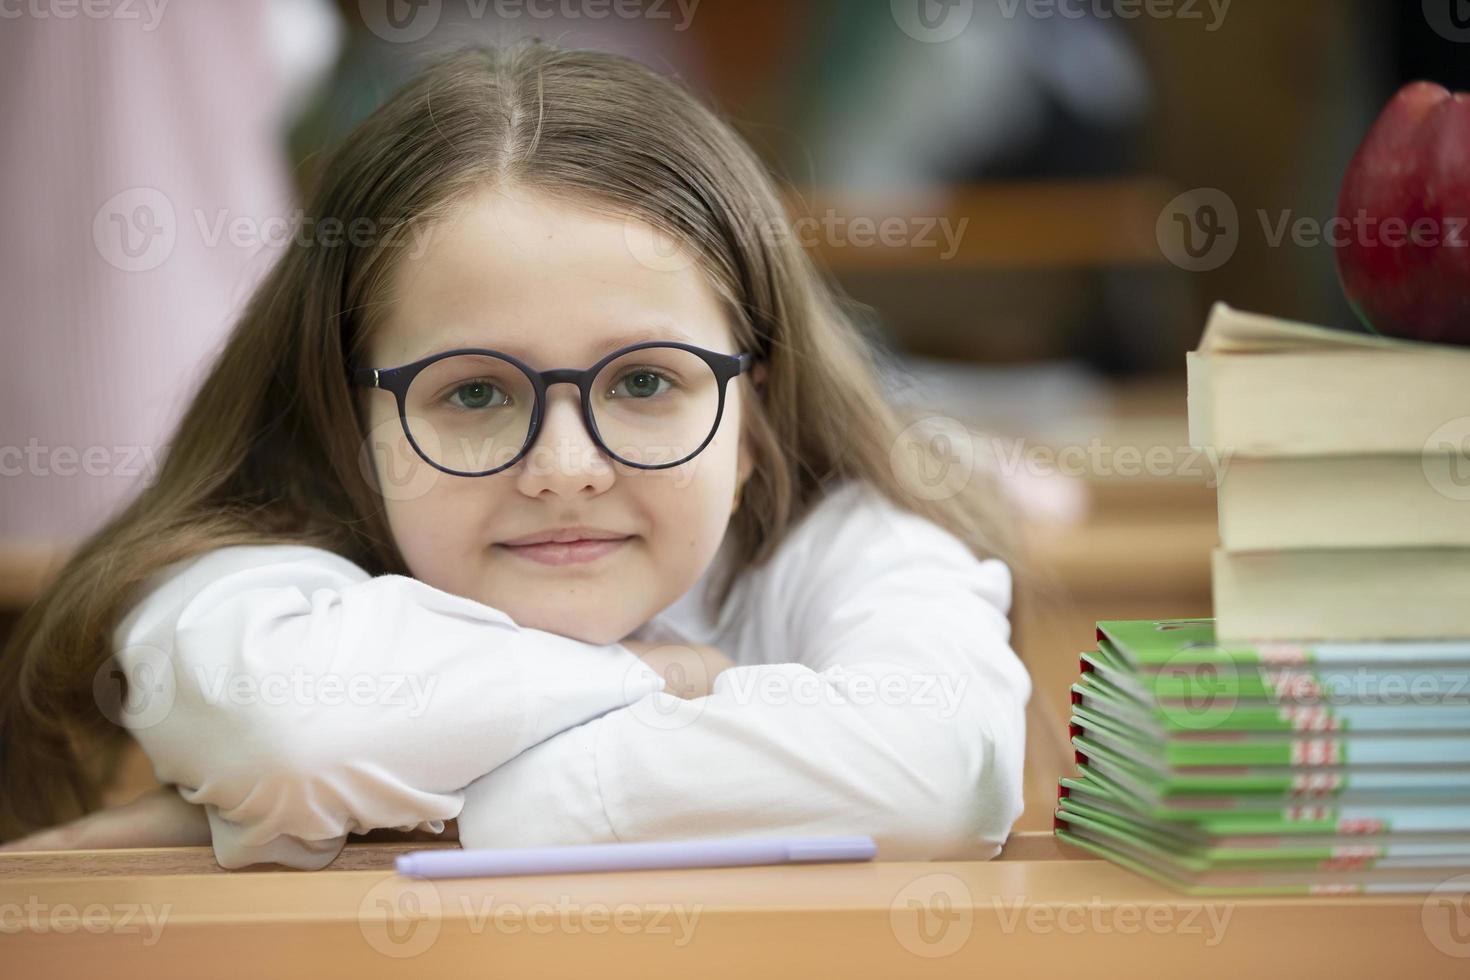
x=552, y=283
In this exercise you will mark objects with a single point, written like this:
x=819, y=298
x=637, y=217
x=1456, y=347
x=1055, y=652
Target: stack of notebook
x=1272, y=768
x=1344, y=496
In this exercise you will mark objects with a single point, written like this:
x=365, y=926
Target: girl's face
x=555, y=286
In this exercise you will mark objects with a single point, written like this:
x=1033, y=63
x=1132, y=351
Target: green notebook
x=1212, y=688
x=1154, y=864
x=1127, y=762
x=1226, y=816
x=1154, y=644
x=1228, y=747
x=1286, y=856
x=1162, y=718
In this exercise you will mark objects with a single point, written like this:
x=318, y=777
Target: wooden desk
x=1040, y=909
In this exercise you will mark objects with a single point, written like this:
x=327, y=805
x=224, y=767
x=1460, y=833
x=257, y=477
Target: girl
x=396, y=571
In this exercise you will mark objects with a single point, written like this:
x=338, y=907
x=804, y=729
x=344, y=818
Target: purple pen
x=713, y=852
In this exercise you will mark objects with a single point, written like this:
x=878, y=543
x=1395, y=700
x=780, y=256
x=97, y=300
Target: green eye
x=473, y=395
x=643, y=383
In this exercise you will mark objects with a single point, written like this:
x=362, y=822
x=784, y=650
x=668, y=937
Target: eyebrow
x=603, y=348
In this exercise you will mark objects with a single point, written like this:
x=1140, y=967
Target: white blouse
x=300, y=699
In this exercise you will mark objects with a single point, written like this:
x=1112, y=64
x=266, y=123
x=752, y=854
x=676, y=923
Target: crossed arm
x=163, y=818
x=884, y=696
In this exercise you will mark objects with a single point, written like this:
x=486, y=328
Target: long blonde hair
x=269, y=449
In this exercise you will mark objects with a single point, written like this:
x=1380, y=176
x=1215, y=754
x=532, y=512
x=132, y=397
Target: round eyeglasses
x=474, y=412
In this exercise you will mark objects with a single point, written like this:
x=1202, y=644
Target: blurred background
x=1033, y=204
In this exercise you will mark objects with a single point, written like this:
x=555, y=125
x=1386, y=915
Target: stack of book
x=1226, y=769
x=1344, y=490
x=1314, y=737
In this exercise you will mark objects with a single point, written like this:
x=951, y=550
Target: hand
x=689, y=669
x=161, y=818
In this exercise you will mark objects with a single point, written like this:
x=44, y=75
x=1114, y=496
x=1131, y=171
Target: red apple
x=1403, y=235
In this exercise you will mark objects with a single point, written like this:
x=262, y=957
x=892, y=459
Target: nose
x=564, y=459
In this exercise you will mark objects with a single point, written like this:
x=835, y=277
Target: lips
x=567, y=552
x=566, y=535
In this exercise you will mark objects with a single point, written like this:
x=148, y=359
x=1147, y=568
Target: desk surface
x=1041, y=908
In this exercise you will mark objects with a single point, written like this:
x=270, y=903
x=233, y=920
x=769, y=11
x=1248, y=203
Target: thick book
x=1342, y=595
x=1264, y=386
x=1338, y=502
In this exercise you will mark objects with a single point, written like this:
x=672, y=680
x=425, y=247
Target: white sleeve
x=901, y=716
x=300, y=699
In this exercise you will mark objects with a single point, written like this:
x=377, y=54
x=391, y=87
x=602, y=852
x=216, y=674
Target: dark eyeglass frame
x=398, y=379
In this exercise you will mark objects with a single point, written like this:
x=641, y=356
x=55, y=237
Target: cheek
x=436, y=518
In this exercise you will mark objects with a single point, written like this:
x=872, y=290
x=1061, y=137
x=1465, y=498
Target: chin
x=591, y=628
